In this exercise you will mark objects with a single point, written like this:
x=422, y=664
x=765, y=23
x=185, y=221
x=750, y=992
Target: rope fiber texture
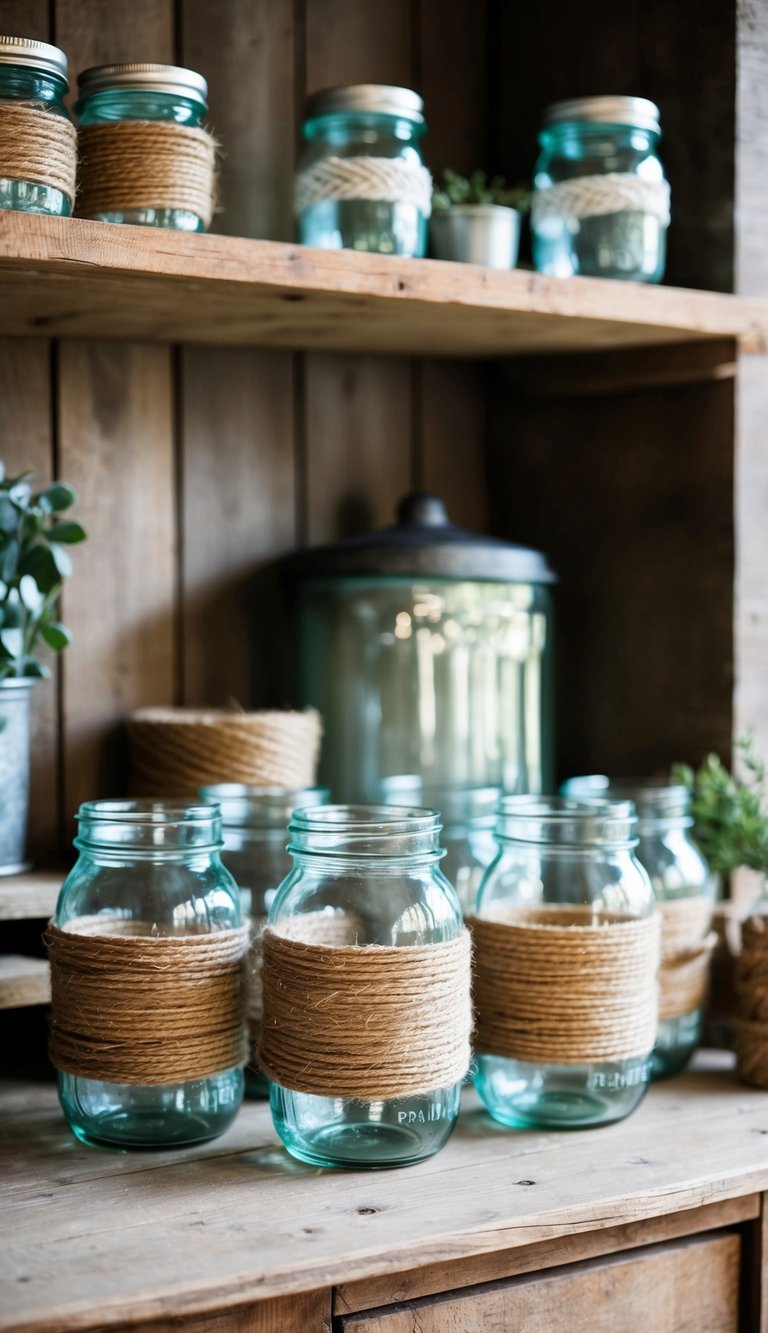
x=596, y=196
x=132, y=164
x=686, y=948
x=379, y=179
x=130, y=1006
x=38, y=146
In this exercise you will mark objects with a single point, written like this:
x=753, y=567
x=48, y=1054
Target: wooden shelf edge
x=65, y=277
x=23, y=981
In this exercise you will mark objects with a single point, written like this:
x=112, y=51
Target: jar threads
x=38, y=142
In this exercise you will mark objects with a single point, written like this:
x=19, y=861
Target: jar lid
x=425, y=544
x=636, y=111
x=379, y=98
x=35, y=55
x=144, y=78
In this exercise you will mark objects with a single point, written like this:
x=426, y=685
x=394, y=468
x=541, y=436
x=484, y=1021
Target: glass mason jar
x=572, y=866
x=158, y=862
x=601, y=201
x=679, y=874
x=361, y=183
x=109, y=93
x=469, y=828
x=34, y=74
x=254, y=824
x=376, y=869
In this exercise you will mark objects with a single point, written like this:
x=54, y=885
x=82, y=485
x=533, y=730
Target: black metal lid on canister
x=424, y=544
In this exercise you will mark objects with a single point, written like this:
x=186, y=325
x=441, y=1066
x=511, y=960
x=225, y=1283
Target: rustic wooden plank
x=588, y=374
x=23, y=981
x=309, y=1312
x=683, y=1288
x=454, y=414
x=238, y=406
x=30, y=897
x=432, y=1279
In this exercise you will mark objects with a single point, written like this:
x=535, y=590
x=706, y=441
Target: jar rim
x=378, y=98
x=618, y=110
x=144, y=77
x=34, y=55
x=559, y=821
x=244, y=806
x=147, y=811
x=655, y=799
x=365, y=820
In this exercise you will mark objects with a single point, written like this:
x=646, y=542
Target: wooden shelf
x=67, y=278
x=31, y=896
x=23, y=981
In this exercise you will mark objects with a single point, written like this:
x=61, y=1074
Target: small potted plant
x=34, y=562
x=476, y=220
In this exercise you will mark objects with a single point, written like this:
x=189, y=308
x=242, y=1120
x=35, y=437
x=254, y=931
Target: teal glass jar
x=566, y=951
x=151, y=869
x=36, y=177
x=600, y=201
x=685, y=890
x=361, y=183
x=148, y=94
x=254, y=823
x=366, y=876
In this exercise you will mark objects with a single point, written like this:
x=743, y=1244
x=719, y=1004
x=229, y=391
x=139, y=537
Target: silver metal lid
x=635, y=111
x=378, y=98
x=35, y=55
x=144, y=78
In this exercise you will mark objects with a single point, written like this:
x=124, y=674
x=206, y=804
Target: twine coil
x=751, y=987
x=37, y=145
x=175, y=751
x=596, y=196
x=370, y=1022
x=132, y=164
x=550, y=987
x=380, y=179
x=130, y=1006
x=686, y=948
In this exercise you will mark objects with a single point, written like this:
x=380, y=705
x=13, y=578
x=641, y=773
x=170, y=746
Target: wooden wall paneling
x=359, y=438
x=116, y=445
x=26, y=442
x=239, y=481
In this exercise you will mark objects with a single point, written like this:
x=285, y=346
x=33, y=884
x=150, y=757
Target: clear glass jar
x=678, y=871
x=601, y=201
x=109, y=93
x=150, y=861
x=553, y=853
x=347, y=132
x=469, y=828
x=255, y=826
x=380, y=866
x=33, y=74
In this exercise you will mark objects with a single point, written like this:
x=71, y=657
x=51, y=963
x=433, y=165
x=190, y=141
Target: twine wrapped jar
x=147, y=958
x=366, y=984
x=361, y=183
x=685, y=891
x=38, y=142
x=145, y=157
x=254, y=824
x=565, y=969
x=601, y=203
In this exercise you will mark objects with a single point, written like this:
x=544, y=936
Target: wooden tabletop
x=97, y=1237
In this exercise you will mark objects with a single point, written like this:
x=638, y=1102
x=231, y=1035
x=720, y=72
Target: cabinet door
x=691, y=1286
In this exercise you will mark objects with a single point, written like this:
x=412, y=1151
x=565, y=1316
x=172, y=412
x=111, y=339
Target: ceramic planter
x=14, y=772
x=486, y=234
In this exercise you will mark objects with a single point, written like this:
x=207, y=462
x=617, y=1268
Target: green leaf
x=30, y=594
x=66, y=532
x=56, y=636
x=36, y=669
x=56, y=497
x=40, y=563
x=12, y=641
x=9, y=561
x=9, y=517
x=62, y=560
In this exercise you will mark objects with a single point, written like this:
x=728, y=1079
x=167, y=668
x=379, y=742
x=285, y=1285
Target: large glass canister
x=565, y=966
x=361, y=183
x=427, y=650
x=38, y=142
x=366, y=990
x=685, y=891
x=148, y=964
x=601, y=201
x=255, y=829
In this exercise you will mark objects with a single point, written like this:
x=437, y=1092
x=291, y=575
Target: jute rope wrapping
x=175, y=751
x=552, y=988
x=751, y=986
x=36, y=145
x=130, y=1006
x=131, y=164
x=380, y=179
x=686, y=948
x=596, y=196
x=369, y=1022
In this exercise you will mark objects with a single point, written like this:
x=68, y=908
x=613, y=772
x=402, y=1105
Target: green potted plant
x=34, y=562
x=476, y=220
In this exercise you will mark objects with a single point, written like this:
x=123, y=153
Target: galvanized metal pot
x=14, y=772
x=486, y=234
